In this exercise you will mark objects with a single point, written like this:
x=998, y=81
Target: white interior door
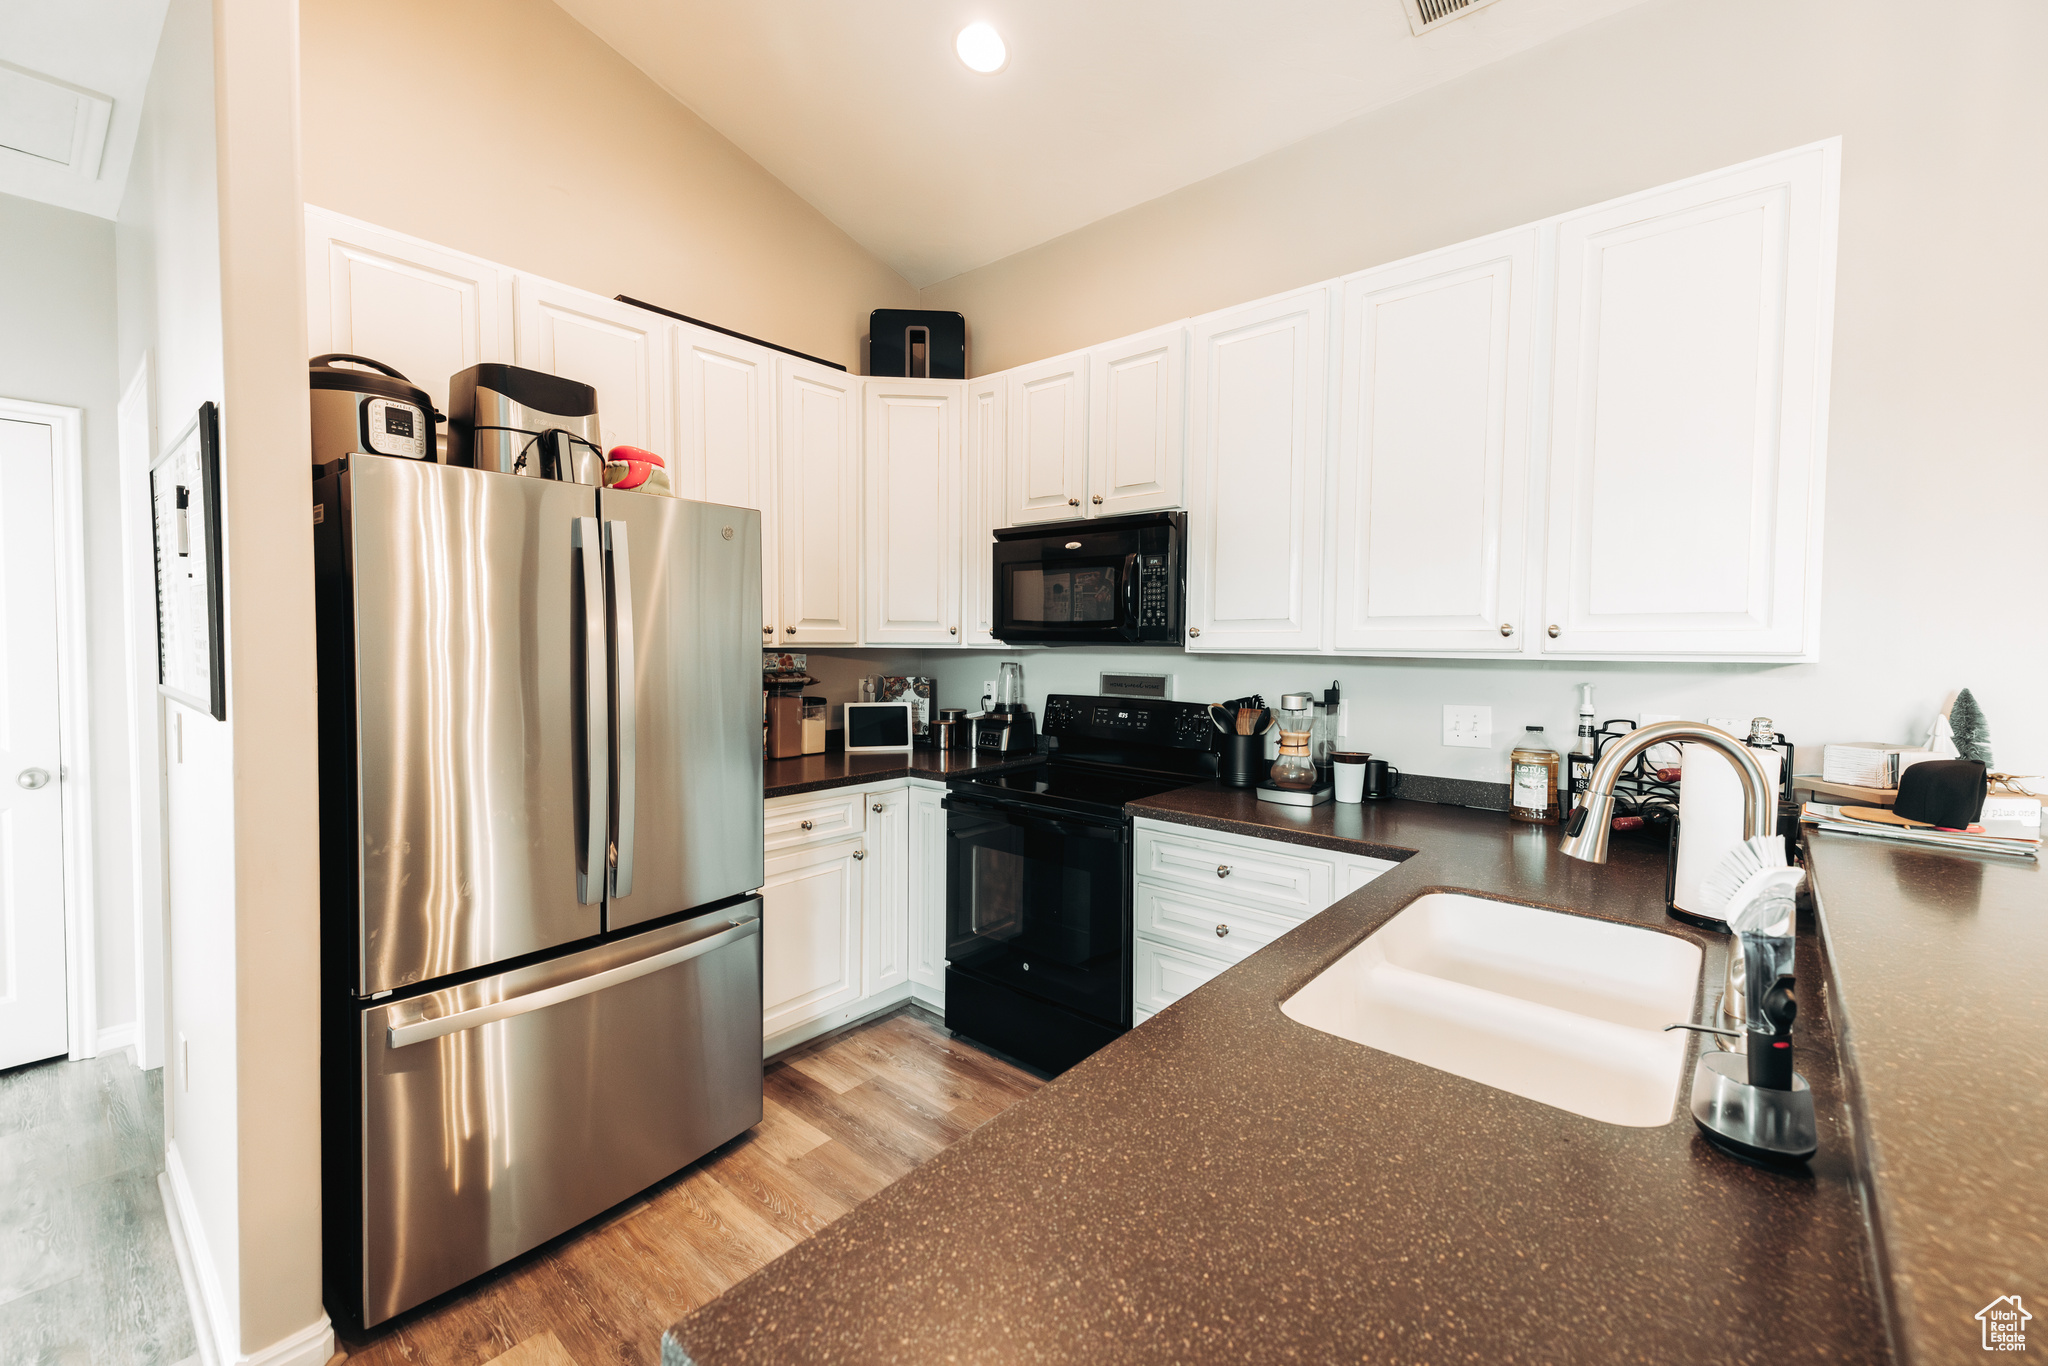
x=1433, y=450
x=912, y=472
x=1137, y=446
x=1688, y=416
x=1048, y=453
x=32, y=1004
x=983, y=439
x=725, y=435
x=614, y=348
x=818, y=505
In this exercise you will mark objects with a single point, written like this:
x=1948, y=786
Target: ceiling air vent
x=45, y=122
x=1424, y=15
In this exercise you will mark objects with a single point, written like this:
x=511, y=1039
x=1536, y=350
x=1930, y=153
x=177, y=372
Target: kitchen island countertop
x=837, y=768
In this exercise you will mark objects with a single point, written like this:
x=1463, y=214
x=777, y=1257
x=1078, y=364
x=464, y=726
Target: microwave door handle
x=620, y=574
x=1130, y=628
x=590, y=877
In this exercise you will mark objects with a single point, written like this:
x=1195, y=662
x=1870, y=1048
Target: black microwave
x=1105, y=581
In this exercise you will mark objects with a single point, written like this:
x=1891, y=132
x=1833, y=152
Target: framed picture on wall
x=184, y=498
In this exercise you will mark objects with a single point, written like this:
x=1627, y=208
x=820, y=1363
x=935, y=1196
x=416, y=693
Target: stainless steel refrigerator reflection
x=541, y=837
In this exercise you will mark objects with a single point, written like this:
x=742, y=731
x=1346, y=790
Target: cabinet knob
x=1222, y=870
x=767, y=630
x=1194, y=630
x=1507, y=628
x=803, y=825
x=1097, y=500
x=789, y=630
x=952, y=630
x=1553, y=633
x=1222, y=930
x=860, y=853
x=1073, y=502
x=877, y=807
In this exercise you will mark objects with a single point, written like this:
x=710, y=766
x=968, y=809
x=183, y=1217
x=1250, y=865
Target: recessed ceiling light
x=981, y=47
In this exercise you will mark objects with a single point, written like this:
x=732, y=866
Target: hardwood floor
x=87, y=1272
x=843, y=1117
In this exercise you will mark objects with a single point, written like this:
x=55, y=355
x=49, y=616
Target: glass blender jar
x=1296, y=722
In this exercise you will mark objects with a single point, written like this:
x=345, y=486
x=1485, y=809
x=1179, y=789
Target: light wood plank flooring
x=844, y=1117
x=87, y=1273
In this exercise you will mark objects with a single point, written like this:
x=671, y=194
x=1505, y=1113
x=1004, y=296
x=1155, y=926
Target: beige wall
x=1937, y=498
x=505, y=129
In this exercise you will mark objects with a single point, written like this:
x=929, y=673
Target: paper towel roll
x=1710, y=816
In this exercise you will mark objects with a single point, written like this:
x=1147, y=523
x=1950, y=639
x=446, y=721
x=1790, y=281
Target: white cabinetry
x=724, y=392
x=1048, y=448
x=1687, y=427
x=1432, y=456
x=421, y=309
x=983, y=440
x=818, y=504
x=810, y=934
x=616, y=349
x=1137, y=452
x=928, y=893
x=912, y=534
x=886, y=893
x=1256, y=493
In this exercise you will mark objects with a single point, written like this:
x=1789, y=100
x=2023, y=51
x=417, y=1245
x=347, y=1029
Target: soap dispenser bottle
x=1532, y=781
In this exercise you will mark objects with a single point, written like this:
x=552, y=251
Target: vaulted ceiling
x=861, y=106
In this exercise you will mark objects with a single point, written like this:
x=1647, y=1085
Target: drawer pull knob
x=1507, y=628
x=860, y=853
x=1222, y=930
x=1553, y=633
x=1073, y=502
x=1222, y=870
x=1097, y=500
x=876, y=808
x=803, y=825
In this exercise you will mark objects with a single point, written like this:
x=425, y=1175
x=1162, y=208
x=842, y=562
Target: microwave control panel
x=1154, y=591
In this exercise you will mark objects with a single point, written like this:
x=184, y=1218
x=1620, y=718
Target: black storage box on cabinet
x=917, y=343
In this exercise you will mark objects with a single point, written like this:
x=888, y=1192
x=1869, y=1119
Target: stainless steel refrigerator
x=541, y=838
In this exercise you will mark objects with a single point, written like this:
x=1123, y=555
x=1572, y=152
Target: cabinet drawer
x=1191, y=920
x=1244, y=870
x=814, y=818
x=1162, y=974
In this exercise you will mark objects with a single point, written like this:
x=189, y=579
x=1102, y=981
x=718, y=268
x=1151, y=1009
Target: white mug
x=1347, y=771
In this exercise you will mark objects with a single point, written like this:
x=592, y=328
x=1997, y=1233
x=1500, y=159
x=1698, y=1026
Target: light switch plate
x=1468, y=727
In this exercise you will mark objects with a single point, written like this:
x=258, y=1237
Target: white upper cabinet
x=1048, y=448
x=1260, y=387
x=1137, y=391
x=421, y=309
x=912, y=472
x=1432, y=456
x=724, y=391
x=983, y=438
x=617, y=349
x=1688, y=415
x=818, y=504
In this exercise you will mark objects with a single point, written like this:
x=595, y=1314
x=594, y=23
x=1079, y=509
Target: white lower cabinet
x=854, y=910
x=1202, y=901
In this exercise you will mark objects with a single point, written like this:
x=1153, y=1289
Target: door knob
x=32, y=778
x=1507, y=628
x=1553, y=633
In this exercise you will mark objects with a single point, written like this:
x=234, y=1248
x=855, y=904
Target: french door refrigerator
x=541, y=843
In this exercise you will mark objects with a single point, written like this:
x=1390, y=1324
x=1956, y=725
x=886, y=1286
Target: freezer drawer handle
x=590, y=878
x=625, y=690
x=419, y=1031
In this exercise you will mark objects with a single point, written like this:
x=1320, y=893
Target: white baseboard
x=114, y=1038
x=219, y=1340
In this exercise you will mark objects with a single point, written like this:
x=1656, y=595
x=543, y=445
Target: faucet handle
x=1705, y=1029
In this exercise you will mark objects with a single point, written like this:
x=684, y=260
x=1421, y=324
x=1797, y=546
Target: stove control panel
x=1178, y=725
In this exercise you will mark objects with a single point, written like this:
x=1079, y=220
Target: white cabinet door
x=1048, y=450
x=724, y=392
x=928, y=893
x=810, y=934
x=818, y=504
x=1432, y=457
x=1688, y=414
x=1137, y=444
x=1260, y=386
x=617, y=349
x=911, y=468
x=421, y=309
x=886, y=892
x=983, y=438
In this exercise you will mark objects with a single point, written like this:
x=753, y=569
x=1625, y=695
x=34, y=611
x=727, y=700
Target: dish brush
x=1752, y=886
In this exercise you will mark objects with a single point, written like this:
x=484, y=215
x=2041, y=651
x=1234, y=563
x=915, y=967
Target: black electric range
x=1038, y=877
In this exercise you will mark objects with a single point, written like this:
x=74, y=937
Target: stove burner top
x=1075, y=787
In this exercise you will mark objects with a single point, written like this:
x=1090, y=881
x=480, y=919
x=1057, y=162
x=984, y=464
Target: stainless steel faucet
x=1586, y=829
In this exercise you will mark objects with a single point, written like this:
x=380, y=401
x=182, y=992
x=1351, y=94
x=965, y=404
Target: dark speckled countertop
x=837, y=768
x=1223, y=1184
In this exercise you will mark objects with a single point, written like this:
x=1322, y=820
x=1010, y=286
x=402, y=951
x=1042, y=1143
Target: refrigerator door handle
x=590, y=878
x=625, y=689
x=419, y=1031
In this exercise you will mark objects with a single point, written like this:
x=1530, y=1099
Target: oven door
x=1035, y=903
x=1111, y=581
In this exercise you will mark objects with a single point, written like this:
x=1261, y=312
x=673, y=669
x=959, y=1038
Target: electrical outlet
x=1469, y=727
x=988, y=693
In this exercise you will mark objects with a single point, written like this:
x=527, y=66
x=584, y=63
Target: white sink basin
x=1555, y=1007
